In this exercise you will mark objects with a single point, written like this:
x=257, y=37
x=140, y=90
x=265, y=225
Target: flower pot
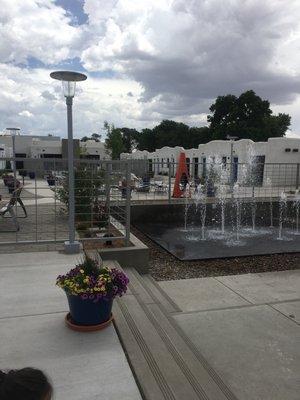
x=51, y=182
x=87, y=312
x=31, y=175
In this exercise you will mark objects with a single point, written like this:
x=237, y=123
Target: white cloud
x=38, y=29
x=32, y=100
x=166, y=59
x=184, y=53
x=25, y=113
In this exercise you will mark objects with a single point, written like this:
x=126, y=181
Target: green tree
x=146, y=140
x=114, y=141
x=94, y=136
x=198, y=136
x=129, y=137
x=246, y=116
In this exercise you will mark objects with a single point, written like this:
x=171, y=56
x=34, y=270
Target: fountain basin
x=165, y=224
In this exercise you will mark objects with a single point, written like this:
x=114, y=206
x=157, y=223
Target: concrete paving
x=252, y=340
x=201, y=294
x=254, y=349
x=265, y=287
x=32, y=309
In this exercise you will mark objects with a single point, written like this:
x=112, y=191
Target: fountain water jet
x=282, y=210
x=269, y=185
x=297, y=207
x=238, y=208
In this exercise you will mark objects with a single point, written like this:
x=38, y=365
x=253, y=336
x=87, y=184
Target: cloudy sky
x=146, y=60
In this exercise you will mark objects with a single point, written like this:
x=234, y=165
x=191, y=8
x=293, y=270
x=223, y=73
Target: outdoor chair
x=9, y=208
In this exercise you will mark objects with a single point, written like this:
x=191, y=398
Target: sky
x=146, y=60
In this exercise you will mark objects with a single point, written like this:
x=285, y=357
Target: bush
x=86, y=184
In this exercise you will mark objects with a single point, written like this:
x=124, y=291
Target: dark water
x=188, y=244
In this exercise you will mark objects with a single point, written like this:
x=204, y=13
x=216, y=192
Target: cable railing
x=105, y=191
x=102, y=201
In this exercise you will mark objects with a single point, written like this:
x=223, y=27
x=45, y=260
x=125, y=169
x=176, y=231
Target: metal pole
x=14, y=156
x=297, y=176
x=231, y=167
x=170, y=194
x=108, y=173
x=127, y=208
x=71, y=246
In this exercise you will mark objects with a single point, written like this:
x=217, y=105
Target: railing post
x=170, y=180
x=127, y=207
x=108, y=171
x=297, y=176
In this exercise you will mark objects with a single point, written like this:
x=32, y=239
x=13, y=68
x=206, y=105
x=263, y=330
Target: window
x=287, y=150
x=295, y=150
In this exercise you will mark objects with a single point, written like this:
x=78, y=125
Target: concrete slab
x=201, y=294
x=37, y=259
x=82, y=366
x=290, y=309
x=33, y=332
x=265, y=287
x=31, y=290
x=254, y=349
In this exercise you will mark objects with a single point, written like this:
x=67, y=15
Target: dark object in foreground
x=25, y=384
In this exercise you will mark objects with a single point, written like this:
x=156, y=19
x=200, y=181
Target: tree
x=246, y=116
x=129, y=139
x=146, y=140
x=94, y=136
x=114, y=141
x=198, y=136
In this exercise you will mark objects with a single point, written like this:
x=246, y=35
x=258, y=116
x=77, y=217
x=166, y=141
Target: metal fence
x=102, y=201
x=259, y=180
x=105, y=190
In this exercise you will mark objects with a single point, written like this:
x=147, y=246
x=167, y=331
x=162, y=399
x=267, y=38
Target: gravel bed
x=163, y=266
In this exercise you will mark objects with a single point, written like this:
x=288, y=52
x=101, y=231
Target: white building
x=276, y=161
x=5, y=151
x=49, y=147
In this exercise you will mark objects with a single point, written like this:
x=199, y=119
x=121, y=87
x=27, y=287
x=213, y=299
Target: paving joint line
x=175, y=314
x=286, y=316
x=33, y=315
x=209, y=369
x=164, y=294
x=228, y=287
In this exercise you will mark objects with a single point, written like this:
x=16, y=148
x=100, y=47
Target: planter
x=87, y=312
x=51, y=182
x=86, y=328
x=31, y=175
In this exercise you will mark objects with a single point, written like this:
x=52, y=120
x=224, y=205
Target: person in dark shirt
x=25, y=384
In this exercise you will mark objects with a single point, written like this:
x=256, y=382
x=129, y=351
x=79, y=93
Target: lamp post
x=69, y=79
x=232, y=139
x=13, y=132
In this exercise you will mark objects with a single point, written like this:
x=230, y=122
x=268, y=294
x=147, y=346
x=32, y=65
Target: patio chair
x=9, y=208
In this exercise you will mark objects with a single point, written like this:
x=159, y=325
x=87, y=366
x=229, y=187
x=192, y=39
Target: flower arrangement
x=93, y=281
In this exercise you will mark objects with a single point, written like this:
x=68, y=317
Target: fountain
x=269, y=185
x=186, y=205
x=222, y=190
x=200, y=201
x=220, y=224
x=253, y=211
x=238, y=209
x=282, y=211
x=296, y=205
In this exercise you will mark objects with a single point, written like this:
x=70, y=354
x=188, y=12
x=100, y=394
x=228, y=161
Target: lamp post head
x=68, y=80
x=13, y=131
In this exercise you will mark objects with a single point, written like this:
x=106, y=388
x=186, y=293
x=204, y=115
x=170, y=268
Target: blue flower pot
x=86, y=312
